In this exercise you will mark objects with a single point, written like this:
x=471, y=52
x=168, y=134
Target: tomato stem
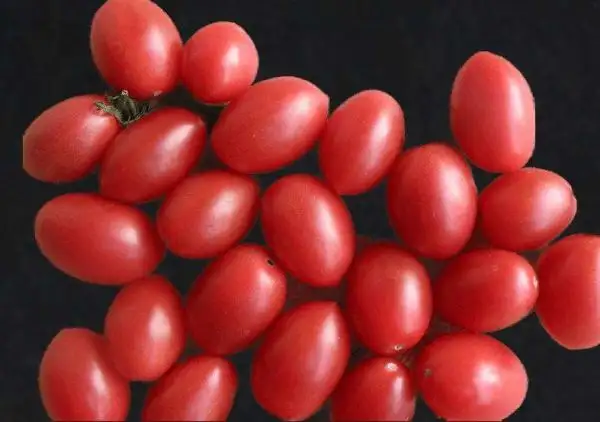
x=124, y=108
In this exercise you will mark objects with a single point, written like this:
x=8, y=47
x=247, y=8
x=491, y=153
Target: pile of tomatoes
x=425, y=333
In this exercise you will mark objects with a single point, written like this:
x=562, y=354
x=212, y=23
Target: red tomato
x=432, y=200
x=200, y=389
x=301, y=360
x=569, y=302
x=273, y=123
x=492, y=113
x=526, y=209
x=208, y=213
x=65, y=142
x=145, y=328
x=220, y=62
x=235, y=300
x=485, y=290
x=309, y=229
x=78, y=382
x=97, y=240
x=152, y=155
x=388, y=298
x=470, y=377
x=136, y=46
x=362, y=139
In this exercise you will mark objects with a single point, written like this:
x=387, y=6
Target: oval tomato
x=492, y=113
x=97, y=240
x=432, y=200
x=136, y=46
x=309, y=229
x=526, y=209
x=273, y=123
x=301, y=360
x=78, y=382
x=65, y=142
x=362, y=139
x=152, y=155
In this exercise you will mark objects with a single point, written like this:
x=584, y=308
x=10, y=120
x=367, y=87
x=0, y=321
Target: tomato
x=97, y=240
x=361, y=141
x=569, y=303
x=152, y=155
x=235, y=300
x=388, y=298
x=273, y=123
x=78, y=382
x=432, y=200
x=301, y=360
x=470, y=377
x=136, y=46
x=526, y=209
x=145, y=328
x=220, y=62
x=309, y=229
x=492, y=113
x=485, y=290
x=208, y=213
x=65, y=142
x=201, y=388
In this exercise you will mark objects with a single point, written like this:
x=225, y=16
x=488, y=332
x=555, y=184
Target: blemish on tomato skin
x=427, y=372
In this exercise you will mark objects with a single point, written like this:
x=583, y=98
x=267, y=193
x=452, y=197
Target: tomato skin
x=298, y=209
x=220, y=62
x=302, y=358
x=151, y=156
x=272, y=124
x=234, y=301
x=65, y=142
x=77, y=381
x=363, y=137
x=201, y=388
x=432, y=200
x=485, y=290
x=207, y=213
x=136, y=46
x=492, y=113
x=97, y=240
x=470, y=377
x=526, y=209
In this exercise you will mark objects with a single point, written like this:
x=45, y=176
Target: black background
x=411, y=49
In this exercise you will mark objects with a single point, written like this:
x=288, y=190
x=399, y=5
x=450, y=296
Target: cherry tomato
x=208, y=213
x=485, y=290
x=492, y=113
x=432, y=200
x=569, y=303
x=220, y=62
x=97, y=240
x=309, y=229
x=361, y=141
x=65, y=142
x=273, y=123
x=202, y=388
x=388, y=298
x=235, y=300
x=470, y=377
x=152, y=155
x=78, y=382
x=526, y=209
x=136, y=46
x=301, y=360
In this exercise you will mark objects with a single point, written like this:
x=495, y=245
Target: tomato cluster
x=426, y=333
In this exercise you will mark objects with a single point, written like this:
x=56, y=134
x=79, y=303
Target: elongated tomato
x=97, y=240
x=275, y=122
x=492, y=113
x=309, y=229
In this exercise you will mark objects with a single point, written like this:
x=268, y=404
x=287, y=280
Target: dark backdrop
x=410, y=49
